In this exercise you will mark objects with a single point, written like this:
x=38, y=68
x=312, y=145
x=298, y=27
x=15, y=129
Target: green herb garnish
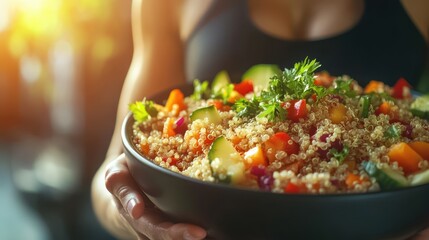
x=295, y=83
x=143, y=110
x=201, y=90
x=340, y=155
x=343, y=87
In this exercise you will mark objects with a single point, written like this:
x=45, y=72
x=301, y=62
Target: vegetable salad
x=294, y=131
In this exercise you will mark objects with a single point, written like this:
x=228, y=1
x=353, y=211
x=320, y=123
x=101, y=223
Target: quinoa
x=315, y=168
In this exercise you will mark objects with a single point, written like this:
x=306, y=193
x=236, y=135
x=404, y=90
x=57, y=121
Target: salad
x=299, y=130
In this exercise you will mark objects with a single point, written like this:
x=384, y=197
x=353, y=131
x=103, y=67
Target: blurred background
x=62, y=64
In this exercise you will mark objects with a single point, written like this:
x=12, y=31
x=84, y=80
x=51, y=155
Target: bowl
x=229, y=212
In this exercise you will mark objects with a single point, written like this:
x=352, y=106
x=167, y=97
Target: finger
x=119, y=182
x=155, y=225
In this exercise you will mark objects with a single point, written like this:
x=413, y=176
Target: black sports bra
x=384, y=45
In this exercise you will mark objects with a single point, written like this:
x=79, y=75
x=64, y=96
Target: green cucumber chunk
x=260, y=74
x=386, y=177
x=420, y=107
x=220, y=81
x=209, y=112
x=226, y=163
x=420, y=178
x=364, y=103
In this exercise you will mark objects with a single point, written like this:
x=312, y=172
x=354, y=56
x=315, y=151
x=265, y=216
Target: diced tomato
x=401, y=89
x=280, y=141
x=244, y=87
x=292, y=188
x=297, y=110
x=255, y=157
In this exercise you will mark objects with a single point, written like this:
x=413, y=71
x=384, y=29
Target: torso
x=312, y=31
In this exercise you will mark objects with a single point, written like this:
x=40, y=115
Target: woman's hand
x=143, y=218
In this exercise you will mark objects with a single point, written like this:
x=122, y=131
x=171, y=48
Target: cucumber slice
x=260, y=74
x=209, y=112
x=420, y=107
x=420, y=178
x=386, y=177
x=364, y=103
x=226, y=163
x=220, y=81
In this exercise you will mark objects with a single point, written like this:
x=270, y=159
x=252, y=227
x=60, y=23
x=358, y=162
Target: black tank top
x=384, y=45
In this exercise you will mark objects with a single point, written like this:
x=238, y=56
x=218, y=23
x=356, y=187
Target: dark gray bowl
x=235, y=213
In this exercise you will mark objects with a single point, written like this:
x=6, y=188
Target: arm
x=157, y=64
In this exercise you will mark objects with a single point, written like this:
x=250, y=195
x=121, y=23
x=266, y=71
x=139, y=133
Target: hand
x=143, y=218
x=423, y=235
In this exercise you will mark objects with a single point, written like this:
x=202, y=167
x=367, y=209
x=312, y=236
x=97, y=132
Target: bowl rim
x=128, y=146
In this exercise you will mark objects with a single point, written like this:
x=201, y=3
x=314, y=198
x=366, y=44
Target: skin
x=160, y=29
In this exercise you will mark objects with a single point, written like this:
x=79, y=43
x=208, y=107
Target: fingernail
x=194, y=234
x=130, y=207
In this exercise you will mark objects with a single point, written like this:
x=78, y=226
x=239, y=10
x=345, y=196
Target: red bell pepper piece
x=244, y=87
x=401, y=89
x=297, y=110
x=280, y=141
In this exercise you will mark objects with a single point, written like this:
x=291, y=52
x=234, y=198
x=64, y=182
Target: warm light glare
x=4, y=15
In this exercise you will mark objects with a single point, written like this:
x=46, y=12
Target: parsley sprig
x=143, y=110
x=294, y=83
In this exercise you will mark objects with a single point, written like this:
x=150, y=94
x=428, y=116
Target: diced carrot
x=337, y=113
x=176, y=97
x=144, y=148
x=374, y=86
x=323, y=79
x=254, y=157
x=384, y=108
x=168, y=130
x=244, y=87
x=405, y=156
x=280, y=141
x=217, y=103
x=422, y=148
x=352, y=179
